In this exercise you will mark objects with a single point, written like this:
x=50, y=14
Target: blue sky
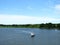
x=29, y=11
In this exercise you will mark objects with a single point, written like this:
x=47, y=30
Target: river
x=22, y=36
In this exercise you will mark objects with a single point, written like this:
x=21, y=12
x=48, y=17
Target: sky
x=29, y=11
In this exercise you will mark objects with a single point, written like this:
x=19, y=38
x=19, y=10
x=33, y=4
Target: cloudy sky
x=29, y=11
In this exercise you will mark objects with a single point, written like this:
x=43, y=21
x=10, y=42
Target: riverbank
x=45, y=26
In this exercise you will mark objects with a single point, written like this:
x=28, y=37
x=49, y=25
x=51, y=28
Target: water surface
x=21, y=36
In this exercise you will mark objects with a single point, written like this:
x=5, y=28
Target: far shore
x=41, y=26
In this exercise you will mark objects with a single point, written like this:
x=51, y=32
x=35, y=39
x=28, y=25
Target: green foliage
x=47, y=26
x=50, y=26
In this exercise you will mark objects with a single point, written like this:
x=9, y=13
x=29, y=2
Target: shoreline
x=40, y=26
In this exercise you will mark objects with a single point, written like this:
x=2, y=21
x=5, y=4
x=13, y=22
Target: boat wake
x=31, y=33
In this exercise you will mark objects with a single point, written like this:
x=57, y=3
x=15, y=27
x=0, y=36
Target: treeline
x=50, y=26
x=21, y=26
x=46, y=25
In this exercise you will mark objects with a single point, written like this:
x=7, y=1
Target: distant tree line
x=50, y=26
x=46, y=25
x=21, y=26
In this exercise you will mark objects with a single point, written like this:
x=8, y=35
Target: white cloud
x=19, y=19
x=57, y=9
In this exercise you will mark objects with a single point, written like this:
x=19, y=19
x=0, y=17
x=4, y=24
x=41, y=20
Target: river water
x=22, y=36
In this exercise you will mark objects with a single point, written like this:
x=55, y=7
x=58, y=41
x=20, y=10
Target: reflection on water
x=22, y=36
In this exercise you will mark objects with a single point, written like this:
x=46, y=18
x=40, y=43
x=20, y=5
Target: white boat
x=32, y=34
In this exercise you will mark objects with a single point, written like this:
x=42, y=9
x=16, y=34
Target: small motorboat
x=32, y=34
